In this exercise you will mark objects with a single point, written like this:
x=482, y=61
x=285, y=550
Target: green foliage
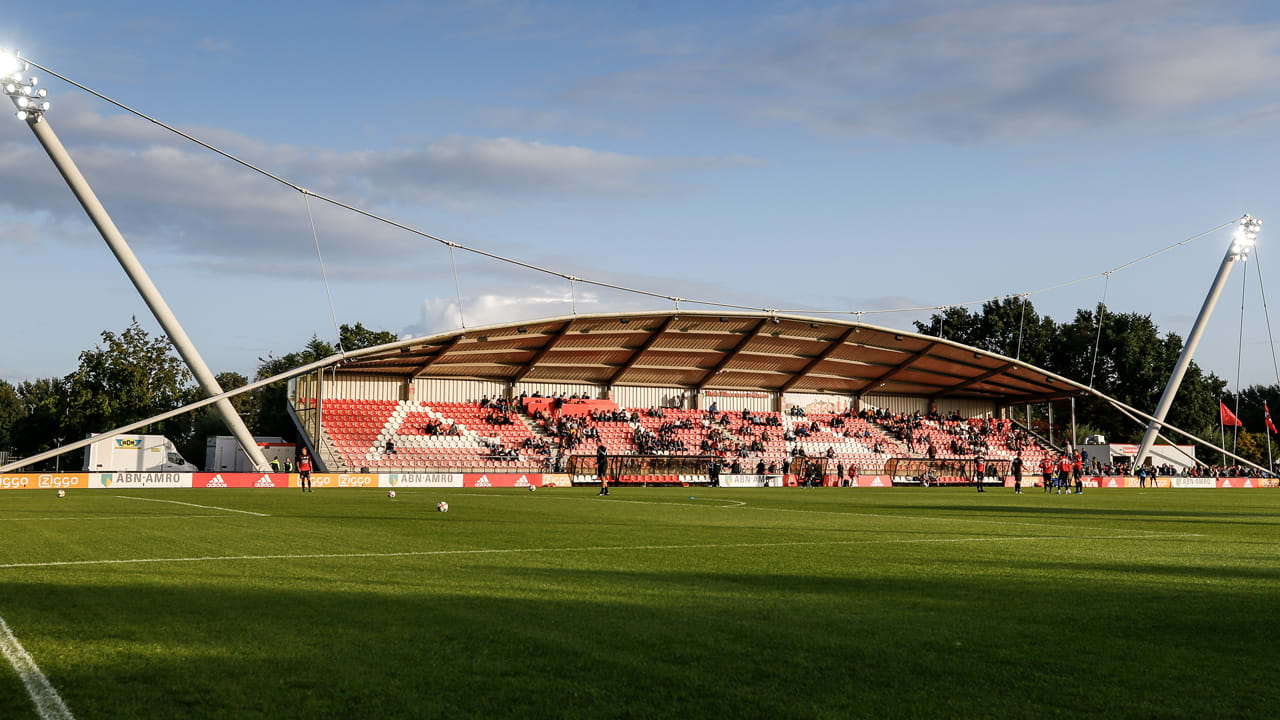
x=1133, y=362
x=358, y=337
x=11, y=410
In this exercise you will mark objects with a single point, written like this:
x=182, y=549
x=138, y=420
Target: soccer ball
x=532, y=488
x=62, y=493
x=391, y=494
x=442, y=506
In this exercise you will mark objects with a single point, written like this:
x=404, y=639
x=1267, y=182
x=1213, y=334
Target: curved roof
x=708, y=350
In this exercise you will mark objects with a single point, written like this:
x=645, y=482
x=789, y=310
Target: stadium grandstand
x=757, y=392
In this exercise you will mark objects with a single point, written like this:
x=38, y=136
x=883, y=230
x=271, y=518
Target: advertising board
x=750, y=481
x=337, y=480
x=126, y=480
x=239, y=480
x=483, y=480
x=44, y=481
x=420, y=480
x=556, y=480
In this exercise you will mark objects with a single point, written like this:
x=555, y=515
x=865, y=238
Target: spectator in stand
x=760, y=467
x=390, y=448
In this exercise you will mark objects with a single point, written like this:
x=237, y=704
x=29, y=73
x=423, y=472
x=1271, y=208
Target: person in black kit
x=602, y=468
x=1016, y=466
x=980, y=472
x=713, y=471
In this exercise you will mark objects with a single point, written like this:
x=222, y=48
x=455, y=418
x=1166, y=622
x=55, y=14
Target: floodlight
x=9, y=62
x=22, y=114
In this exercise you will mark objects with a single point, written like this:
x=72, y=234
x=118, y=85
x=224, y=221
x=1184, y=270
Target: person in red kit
x=304, y=471
x=1046, y=473
x=1064, y=474
x=1077, y=472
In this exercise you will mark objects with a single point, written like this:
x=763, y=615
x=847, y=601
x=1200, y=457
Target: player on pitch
x=304, y=471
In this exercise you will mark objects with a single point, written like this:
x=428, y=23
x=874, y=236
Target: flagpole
x=1271, y=468
x=1222, y=428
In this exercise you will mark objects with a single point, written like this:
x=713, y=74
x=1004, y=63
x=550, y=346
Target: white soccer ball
x=442, y=506
x=391, y=494
x=62, y=493
x=532, y=488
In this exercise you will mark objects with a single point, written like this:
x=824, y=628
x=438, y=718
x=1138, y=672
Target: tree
x=128, y=377
x=44, y=404
x=1126, y=358
x=271, y=416
x=358, y=337
x=208, y=421
x=10, y=411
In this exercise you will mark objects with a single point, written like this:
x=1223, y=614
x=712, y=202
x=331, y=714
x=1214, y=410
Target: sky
x=793, y=155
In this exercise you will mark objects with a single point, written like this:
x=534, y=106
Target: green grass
x=797, y=603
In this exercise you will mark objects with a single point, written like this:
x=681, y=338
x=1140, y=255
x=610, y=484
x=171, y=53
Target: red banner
x=1228, y=417
x=484, y=480
x=240, y=480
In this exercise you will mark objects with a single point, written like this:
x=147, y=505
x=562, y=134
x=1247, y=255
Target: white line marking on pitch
x=206, y=507
x=1152, y=533
x=48, y=703
x=736, y=503
x=115, y=517
x=590, y=548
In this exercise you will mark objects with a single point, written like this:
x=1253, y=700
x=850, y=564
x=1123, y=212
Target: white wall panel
x=897, y=404
x=726, y=400
x=967, y=407
x=547, y=389
x=645, y=397
x=363, y=387
x=817, y=402
x=442, y=390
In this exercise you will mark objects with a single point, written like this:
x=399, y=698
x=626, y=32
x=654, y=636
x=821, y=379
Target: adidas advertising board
x=504, y=480
x=239, y=480
x=420, y=480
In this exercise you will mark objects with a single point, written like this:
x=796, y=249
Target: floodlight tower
x=1242, y=242
x=29, y=99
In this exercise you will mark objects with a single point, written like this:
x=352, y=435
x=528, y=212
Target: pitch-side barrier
x=128, y=480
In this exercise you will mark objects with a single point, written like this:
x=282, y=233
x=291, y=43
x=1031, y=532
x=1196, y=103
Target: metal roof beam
x=439, y=354
x=551, y=343
x=732, y=353
x=897, y=369
x=831, y=349
x=649, y=342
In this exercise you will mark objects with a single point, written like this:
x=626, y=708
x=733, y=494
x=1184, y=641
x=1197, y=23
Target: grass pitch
x=730, y=603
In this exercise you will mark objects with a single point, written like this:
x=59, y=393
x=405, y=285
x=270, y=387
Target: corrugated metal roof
x=748, y=351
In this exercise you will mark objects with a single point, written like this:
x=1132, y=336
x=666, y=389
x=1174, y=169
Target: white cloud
x=163, y=190
x=965, y=72
x=441, y=314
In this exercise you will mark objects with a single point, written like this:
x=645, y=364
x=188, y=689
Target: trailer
x=135, y=453
x=223, y=454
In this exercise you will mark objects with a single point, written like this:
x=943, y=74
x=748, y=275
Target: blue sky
x=780, y=154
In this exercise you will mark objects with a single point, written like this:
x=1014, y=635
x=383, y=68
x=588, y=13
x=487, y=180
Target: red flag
x=1228, y=418
x=1270, y=425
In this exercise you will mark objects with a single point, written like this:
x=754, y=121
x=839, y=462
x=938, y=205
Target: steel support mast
x=1243, y=240
x=31, y=109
